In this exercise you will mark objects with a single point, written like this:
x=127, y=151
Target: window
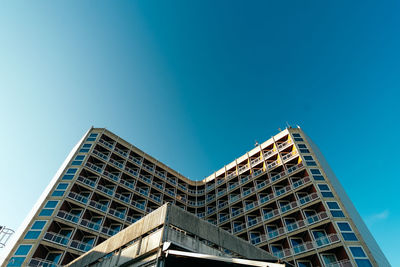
x=317, y=175
x=67, y=177
x=93, y=135
x=329, y=259
x=87, y=146
x=360, y=257
x=51, y=204
x=76, y=163
x=32, y=234
x=325, y=190
x=297, y=137
x=79, y=157
x=303, y=148
x=304, y=264
x=91, y=139
x=38, y=225
x=310, y=161
x=46, y=212
x=60, y=190
x=23, y=250
x=346, y=231
x=54, y=257
x=357, y=252
x=84, y=150
x=16, y=261
x=335, y=210
x=72, y=171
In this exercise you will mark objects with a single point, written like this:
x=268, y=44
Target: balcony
x=100, y=155
x=223, y=218
x=289, y=155
x=258, y=239
x=156, y=198
x=283, y=190
x=268, y=153
x=142, y=191
x=184, y=188
x=117, y=163
x=107, y=144
x=99, y=206
x=236, y=212
x=132, y=171
x=248, y=191
x=320, y=242
x=221, y=192
x=94, y=167
x=68, y=216
x=139, y=205
x=254, y=162
x=342, y=263
x=284, y=144
x=113, y=177
x=148, y=167
x=243, y=168
x=90, y=225
x=294, y=168
x=123, y=198
x=109, y=231
x=160, y=174
x=77, y=197
x=210, y=198
x=121, y=152
x=233, y=186
x=138, y=161
x=86, y=181
x=222, y=205
x=81, y=246
x=253, y=221
x=131, y=185
x=272, y=164
x=145, y=179
x=56, y=238
x=106, y=190
x=170, y=192
x=42, y=263
x=116, y=213
x=307, y=199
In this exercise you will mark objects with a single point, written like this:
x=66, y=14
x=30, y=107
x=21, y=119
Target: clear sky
x=195, y=83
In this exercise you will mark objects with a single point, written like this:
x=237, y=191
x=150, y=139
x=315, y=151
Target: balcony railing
x=117, y=213
x=128, y=184
x=67, y=216
x=106, y=190
x=107, y=144
x=56, y=238
x=79, y=245
x=112, y=176
x=97, y=205
x=94, y=167
x=117, y=163
x=86, y=181
x=36, y=262
x=77, y=197
x=284, y=144
x=121, y=152
x=100, y=155
x=342, y=263
x=123, y=198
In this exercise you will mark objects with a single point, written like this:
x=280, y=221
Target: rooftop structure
x=281, y=197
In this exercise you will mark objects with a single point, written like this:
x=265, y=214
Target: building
x=281, y=197
x=170, y=236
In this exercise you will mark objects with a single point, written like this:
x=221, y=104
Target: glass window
x=349, y=236
x=67, y=177
x=51, y=204
x=318, y=177
x=302, y=146
x=83, y=150
x=323, y=187
x=304, y=150
x=333, y=205
x=62, y=186
x=93, y=135
x=58, y=193
x=329, y=259
x=357, y=252
x=315, y=171
x=53, y=256
x=304, y=264
x=296, y=135
x=32, y=235
x=16, y=261
x=23, y=250
x=308, y=158
x=87, y=146
x=76, y=163
x=337, y=213
x=38, y=225
x=363, y=263
x=79, y=157
x=72, y=171
x=298, y=139
x=91, y=139
x=311, y=163
x=344, y=227
x=327, y=194
x=46, y=212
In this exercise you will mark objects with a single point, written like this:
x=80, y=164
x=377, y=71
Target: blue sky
x=195, y=83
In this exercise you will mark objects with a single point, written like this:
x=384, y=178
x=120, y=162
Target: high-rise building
x=281, y=197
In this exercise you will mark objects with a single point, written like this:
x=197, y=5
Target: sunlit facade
x=281, y=196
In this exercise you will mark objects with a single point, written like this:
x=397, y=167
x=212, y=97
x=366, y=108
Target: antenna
x=288, y=125
x=5, y=234
x=256, y=143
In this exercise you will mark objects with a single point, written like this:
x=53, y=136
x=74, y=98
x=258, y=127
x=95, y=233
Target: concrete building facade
x=170, y=236
x=281, y=197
